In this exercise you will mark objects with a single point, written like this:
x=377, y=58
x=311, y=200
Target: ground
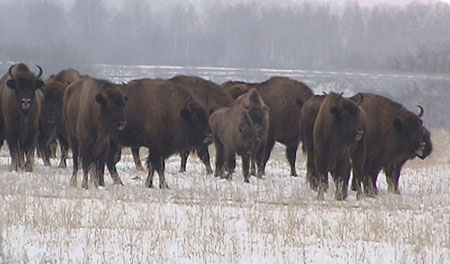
x=202, y=219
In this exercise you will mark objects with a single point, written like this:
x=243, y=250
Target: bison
x=338, y=137
x=284, y=97
x=392, y=171
x=393, y=135
x=242, y=129
x=164, y=118
x=20, y=105
x=51, y=125
x=213, y=97
x=93, y=112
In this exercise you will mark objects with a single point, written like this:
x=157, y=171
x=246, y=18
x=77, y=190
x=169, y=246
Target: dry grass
x=202, y=219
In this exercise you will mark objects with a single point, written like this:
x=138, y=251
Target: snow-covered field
x=202, y=219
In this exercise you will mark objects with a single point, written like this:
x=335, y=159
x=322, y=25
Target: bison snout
x=421, y=150
x=51, y=120
x=207, y=139
x=25, y=104
x=122, y=125
x=359, y=135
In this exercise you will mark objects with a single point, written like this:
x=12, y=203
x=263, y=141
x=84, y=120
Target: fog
x=302, y=35
x=411, y=37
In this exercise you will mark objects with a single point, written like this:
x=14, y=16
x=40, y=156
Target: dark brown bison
x=20, y=105
x=213, y=97
x=393, y=134
x=239, y=129
x=283, y=96
x=51, y=127
x=165, y=119
x=338, y=138
x=93, y=112
x=392, y=171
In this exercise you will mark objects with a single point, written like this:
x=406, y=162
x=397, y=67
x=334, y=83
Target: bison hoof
x=163, y=185
x=209, y=170
x=182, y=170
x=73, y=182
x=84, y=185
x=62, y=166
x=294, y=174
x=139, y=168
x=320, y=196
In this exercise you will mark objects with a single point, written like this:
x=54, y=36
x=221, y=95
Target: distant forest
x=415, y=37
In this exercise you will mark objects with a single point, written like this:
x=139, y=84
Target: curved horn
x=124, y=83
x=40, y=72
x=10, y=70
x=420, y=110
x=361, y=99
x=324, y=93
x=339, y=96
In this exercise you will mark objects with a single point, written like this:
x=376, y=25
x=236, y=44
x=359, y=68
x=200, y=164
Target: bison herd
x=95, y=118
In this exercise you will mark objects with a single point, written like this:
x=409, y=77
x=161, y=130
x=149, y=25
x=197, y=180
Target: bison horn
x=40, y=72
x=420, y=110
x=325, y=93
x=361, y=99
x=124, y=83
x=10, y=70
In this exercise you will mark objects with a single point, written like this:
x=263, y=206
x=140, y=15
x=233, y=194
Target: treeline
x=307, y=36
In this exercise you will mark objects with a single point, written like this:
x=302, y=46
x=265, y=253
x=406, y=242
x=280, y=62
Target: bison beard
x=20, y=105
x=93, y=115
x=164, y=118
x=393, y=136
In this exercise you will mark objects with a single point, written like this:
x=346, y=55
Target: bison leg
x=220, y=159
x=184, y=156
x=203, y=153
x=245, y=167
x=111, y=162
x=14, y=152
x=341, y=177
x=136, y=158
x=230, y=158
x=74, y=146
x=392, y=179
x=64, y=146
x=267, y=150
x=291, y=154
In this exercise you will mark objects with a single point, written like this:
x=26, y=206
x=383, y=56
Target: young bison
x=240, y=129
x=93, y=115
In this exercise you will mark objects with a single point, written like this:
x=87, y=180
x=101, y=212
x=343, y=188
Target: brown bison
x=392, y=171
x=283, y=96
x=393, y=135
x=338, y=138
x=242, y=129
x=165, y=119
x=213, y=97
x=51, y=125
x=20, y=105
x=93, y=112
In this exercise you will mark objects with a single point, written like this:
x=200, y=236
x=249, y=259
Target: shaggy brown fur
x=284, y=97
x=338, y=137
x=164, y=118
x=234, y=131
x=51, y=127
x=393, y=134
x=20, y=106
x=93, y=112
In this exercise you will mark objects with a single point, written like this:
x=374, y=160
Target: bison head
x=349, y=119
x=409, y=133
x=247, y=133
x=24, y=83
x=53, y=100
x=195, y=117
x=112, y=101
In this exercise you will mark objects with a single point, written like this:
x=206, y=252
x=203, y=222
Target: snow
x=202, y=219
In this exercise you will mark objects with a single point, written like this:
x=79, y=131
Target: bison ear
x=184, y=113
x=299, y=102
x=11, y=84
x=39, y=84
x=100, y=99
x=334, y=110
x=398, y=124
